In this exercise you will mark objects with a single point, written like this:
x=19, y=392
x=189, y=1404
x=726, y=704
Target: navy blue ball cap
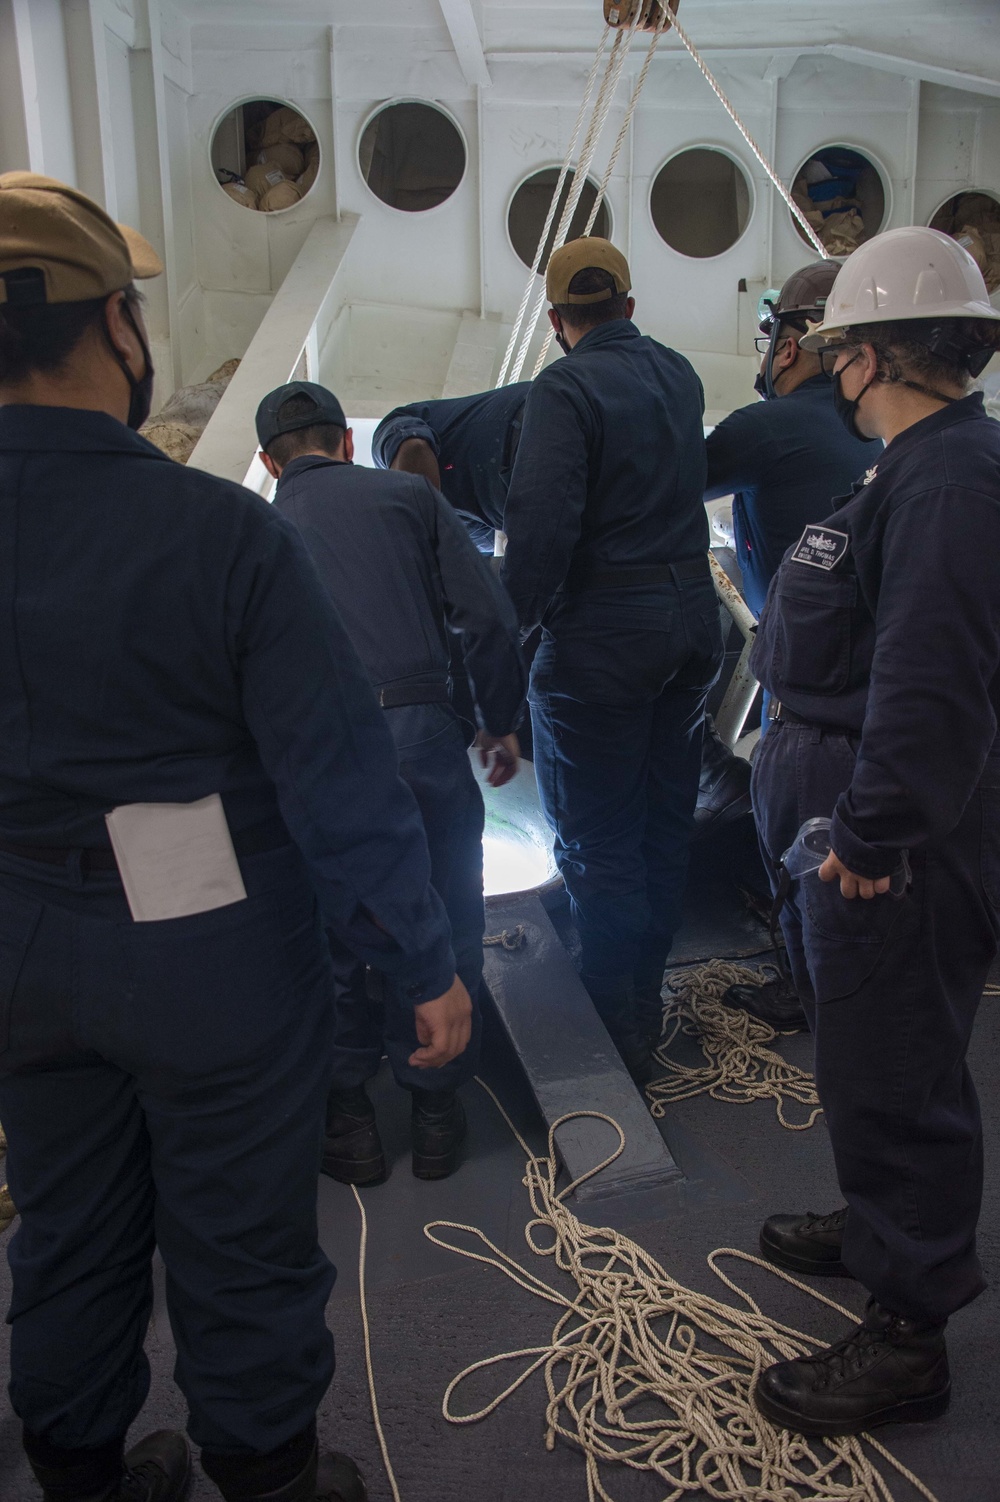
x=271, y=424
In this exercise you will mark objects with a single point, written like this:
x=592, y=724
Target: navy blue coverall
x=165, y=637
x=475, y=439
x=607, y=548
x=881, y=639
x=784, y=461
x=403, y=574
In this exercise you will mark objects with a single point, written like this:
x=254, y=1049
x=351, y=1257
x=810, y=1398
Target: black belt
x=268, y=835
x=780, y=713
x=397, y=695
x=620, y=578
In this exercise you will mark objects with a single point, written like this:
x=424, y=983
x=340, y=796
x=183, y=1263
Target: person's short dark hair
x=325, y=436
x=589, y=314
x=40, y=338
x=948, y=350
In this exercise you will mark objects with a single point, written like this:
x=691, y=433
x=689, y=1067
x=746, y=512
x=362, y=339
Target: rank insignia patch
x=820, y=547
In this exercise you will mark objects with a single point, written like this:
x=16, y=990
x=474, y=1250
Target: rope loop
x=508, y=938
x=740, y=1066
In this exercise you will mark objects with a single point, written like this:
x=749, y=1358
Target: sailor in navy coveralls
x=786, y=457
x=465, y=446
x=607, y=548
x=166, y=642
x=880, y=643
x=404, y=578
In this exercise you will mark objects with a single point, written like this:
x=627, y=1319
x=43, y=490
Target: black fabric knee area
x=71, y=1474
x=241, y=1473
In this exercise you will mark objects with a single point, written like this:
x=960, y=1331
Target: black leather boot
x=648, y=988
x=352, y=1147
x=775, y=1002
x=328, y=1476
x=615, y=1003
x=724, y=784
x=890, y=1370
x=439, y=1129
x=649, y=1016
x=809, y=1243
x=157, y=1469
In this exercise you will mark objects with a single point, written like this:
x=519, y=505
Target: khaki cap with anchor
x=58, y=246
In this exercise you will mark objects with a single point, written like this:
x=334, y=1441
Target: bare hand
x=444, y=1027
x=852, y=885
x=416, y=457
x=505, y=751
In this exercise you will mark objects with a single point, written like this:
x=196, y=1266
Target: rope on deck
x=740, y=1066
x=8, y=1212
x=372, y=1394
x=643, y=1372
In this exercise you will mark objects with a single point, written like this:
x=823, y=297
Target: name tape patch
x=821, y=547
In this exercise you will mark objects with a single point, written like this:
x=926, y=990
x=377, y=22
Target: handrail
x=742, y=690
x=287, y=344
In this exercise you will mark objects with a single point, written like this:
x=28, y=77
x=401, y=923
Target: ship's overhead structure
x=372, y=179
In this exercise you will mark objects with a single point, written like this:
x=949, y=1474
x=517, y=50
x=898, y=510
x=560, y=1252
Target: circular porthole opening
x=412, y=156
x=529, y=208
x=842, y=195
x=700, y=202
x=973, y=219
x=265, y=155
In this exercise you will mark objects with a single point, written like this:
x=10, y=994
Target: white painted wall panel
x=13, y=129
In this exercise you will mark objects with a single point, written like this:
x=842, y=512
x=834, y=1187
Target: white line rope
x=664, y=16
x=556, y=192
x=703, y=68
x=602, y=108
x=739, y=1067
x=643, y=1372
x=362, y=1258
x=525, y=329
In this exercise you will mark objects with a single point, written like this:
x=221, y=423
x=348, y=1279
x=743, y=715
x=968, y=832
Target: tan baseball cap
x=49, y=228
x=578, y=255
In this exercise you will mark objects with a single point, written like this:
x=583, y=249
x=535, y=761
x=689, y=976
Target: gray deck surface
x=433, y=1313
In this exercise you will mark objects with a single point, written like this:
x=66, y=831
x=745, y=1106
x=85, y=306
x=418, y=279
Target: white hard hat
x=902, y=274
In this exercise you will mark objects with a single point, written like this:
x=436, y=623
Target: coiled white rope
x=739, y=1067
x=629, y=1376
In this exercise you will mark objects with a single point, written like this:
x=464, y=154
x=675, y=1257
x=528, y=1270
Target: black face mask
x=141, y=401
x=760, y=385
x=847, y=407
x=562, y=344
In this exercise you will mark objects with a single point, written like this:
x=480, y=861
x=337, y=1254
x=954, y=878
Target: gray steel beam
x=570, y=1061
